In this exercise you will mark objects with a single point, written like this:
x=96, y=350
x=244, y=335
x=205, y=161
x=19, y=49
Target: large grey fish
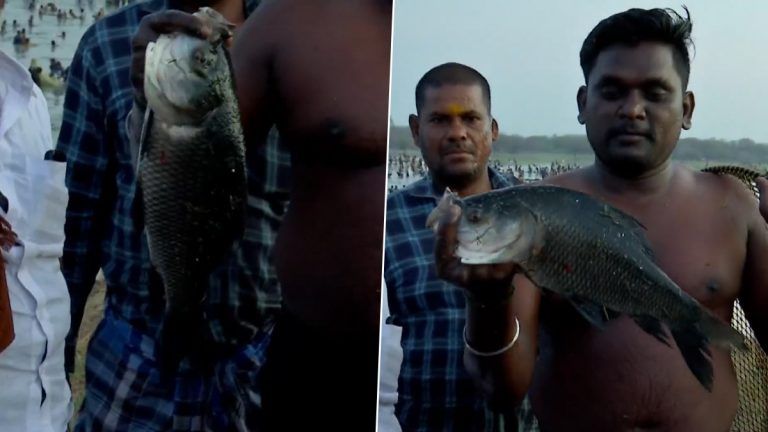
x=594, y=255
x=192, y=178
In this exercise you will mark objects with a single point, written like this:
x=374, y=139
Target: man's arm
x=754, y=293
x=83, y=141
x=251, y=56
x=497, y=311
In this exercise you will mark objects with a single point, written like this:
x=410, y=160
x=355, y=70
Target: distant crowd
x=55, y=78
x=406, y=168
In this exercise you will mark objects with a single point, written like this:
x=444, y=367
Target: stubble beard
x=457, y=181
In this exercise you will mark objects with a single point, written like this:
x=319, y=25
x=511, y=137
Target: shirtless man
x=319, y=71
x=706, y=230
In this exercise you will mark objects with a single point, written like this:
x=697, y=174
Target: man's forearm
x=78, y=298
x=503, y=376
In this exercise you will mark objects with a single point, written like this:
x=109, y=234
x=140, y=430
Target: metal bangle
x=498, y=351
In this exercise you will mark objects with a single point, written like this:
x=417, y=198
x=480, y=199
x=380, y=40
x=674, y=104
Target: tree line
x=744, y=151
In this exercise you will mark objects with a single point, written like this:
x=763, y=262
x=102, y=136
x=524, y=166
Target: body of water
x=65, y=30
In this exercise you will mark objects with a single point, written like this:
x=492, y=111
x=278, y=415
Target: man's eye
x=610, y=93
x=656, y=95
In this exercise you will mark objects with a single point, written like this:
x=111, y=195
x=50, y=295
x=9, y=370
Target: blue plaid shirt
x=435, y=392
x=100, y=232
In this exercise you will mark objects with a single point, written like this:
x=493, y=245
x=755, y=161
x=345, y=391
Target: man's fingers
x=446, y=233
x=170, y=21
x=165, y=22
x=448, y=265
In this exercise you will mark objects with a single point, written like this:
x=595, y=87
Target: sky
x=529, y=52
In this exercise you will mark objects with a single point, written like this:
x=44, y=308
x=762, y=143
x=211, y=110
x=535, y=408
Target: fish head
x=493, y=231
x=184, y=76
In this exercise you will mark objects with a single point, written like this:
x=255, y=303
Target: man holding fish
x=559, y=320
x=455, y=132
x=125, y=387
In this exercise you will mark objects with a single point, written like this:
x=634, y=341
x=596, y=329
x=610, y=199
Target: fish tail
x=693, y=345
x=178, y=338
x=721, y=334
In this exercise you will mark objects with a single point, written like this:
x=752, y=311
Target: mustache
x=458, y=147
x=629, y=130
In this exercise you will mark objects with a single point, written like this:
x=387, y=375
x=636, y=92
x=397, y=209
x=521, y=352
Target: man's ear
x=494, y=130
x=689, y=103
x=581, y=103
x=413, y=124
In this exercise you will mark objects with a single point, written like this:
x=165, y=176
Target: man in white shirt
x=390, y=358
x=34, y=394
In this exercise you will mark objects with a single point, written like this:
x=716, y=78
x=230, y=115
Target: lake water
x=44, y=30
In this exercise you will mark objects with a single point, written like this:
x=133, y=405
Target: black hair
x=451, y=73
x=641, y=25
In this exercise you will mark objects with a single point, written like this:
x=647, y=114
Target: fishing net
x=751, y=364
x=752, y=374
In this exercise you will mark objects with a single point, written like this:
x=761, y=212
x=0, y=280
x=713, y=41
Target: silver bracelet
x=498, y=351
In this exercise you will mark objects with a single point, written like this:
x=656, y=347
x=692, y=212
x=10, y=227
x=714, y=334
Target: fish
x=746, y=175
x=191, y=177
x=592, y=254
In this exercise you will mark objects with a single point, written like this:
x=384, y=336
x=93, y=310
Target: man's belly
x=329, y=249
x=621, y=379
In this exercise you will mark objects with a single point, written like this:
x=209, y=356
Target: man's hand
x=150, y=28
x=762, y=185
x=484, y=283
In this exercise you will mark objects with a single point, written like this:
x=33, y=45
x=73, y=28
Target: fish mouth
x=173, y=84
x=473, y=249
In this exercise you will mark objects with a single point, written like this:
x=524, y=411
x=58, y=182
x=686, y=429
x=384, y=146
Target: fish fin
x=721, y=334
x=653, y=327
x=593, y=313
x=693, y=346
x=449, y=198
x=143, y=144
x=178, y=339
x=631, y=224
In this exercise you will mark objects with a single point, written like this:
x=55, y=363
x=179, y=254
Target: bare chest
x=333, y=84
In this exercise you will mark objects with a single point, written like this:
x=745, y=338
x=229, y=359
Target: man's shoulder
x=408, y=208
x=716, y=185
x=419, y=188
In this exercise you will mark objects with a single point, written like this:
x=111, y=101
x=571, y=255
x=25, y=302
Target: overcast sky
x=529, y=52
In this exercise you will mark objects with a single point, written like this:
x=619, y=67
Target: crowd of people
x=21, y=40
x=405, y=168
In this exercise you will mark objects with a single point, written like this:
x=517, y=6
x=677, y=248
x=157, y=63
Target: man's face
x=634, y=107
x=454, y=132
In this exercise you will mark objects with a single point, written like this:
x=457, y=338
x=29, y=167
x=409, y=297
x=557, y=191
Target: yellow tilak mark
x=455, y=109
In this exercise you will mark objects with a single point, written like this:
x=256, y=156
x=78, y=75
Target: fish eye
x=474, y=216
